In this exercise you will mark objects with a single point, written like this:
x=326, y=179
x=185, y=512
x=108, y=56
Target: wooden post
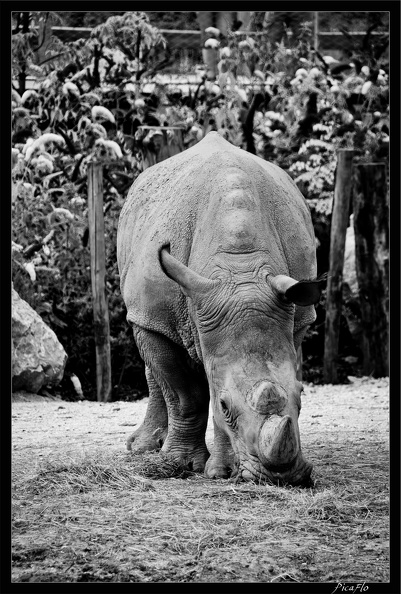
x=98, y=271
x=316, y=31
x=339, y=223
x=159, y=143
x=371, y=226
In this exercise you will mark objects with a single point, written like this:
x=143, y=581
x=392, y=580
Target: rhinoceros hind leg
x=221, y=463
x=153, y=432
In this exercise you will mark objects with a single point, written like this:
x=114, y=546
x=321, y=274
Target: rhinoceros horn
x=278, y=442
x=192, y=283
x=267, y=398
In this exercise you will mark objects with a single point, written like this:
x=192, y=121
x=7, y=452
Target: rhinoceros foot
x=193, y=457
x=216, y=469
x=143, y=440
x=222, y=463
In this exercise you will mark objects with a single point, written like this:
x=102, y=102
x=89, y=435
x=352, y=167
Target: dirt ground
x=334, y=421
x=43, y=426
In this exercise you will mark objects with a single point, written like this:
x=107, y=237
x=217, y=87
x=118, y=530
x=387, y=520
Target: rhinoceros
x=217, y=261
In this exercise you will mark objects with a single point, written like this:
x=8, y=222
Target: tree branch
x=51, y=58
x=44, y=34
x=74, y=176
x=202, y=82
x=247, y=125
x=67, y=139
x=97, y=55
x=138, y=45
x=125, y=50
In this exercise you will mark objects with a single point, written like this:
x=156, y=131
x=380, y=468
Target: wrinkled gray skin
x=211, y=244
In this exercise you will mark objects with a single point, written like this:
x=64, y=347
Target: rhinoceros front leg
x=221, y=463
x=186, y=395
x=153, y=431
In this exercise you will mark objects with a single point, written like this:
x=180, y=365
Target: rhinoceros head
x=245, y=323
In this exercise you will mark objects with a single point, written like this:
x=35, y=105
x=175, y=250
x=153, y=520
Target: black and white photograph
x=200, y=327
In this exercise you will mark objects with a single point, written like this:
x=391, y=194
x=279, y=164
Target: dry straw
x=146, y=518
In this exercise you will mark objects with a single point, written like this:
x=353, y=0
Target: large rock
x=38, y=358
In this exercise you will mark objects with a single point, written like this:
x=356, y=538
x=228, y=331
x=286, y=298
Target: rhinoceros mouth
x=295, y=473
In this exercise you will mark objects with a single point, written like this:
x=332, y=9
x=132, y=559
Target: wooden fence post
x=316, y=31
x=98, y=271
x=371, y=226
x=339, y=224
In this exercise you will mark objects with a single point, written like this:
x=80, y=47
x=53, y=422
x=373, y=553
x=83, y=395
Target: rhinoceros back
x=167, y=204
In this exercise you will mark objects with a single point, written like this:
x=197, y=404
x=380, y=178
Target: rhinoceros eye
x=228, y=413
x=224, y=407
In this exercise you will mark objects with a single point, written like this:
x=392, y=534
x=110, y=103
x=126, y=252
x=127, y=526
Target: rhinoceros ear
x=304, y=292
x=192, y=284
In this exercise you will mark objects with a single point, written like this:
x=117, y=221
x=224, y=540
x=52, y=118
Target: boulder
x=38, y=358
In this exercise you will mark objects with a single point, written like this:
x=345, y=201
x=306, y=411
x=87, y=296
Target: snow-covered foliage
x=92, y=104
x=99, y=112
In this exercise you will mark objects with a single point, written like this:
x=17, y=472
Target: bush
x=290, y=106
x=74, y=117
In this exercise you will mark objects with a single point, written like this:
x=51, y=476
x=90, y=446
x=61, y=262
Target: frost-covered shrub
x=73, y=117
x=286, y=105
